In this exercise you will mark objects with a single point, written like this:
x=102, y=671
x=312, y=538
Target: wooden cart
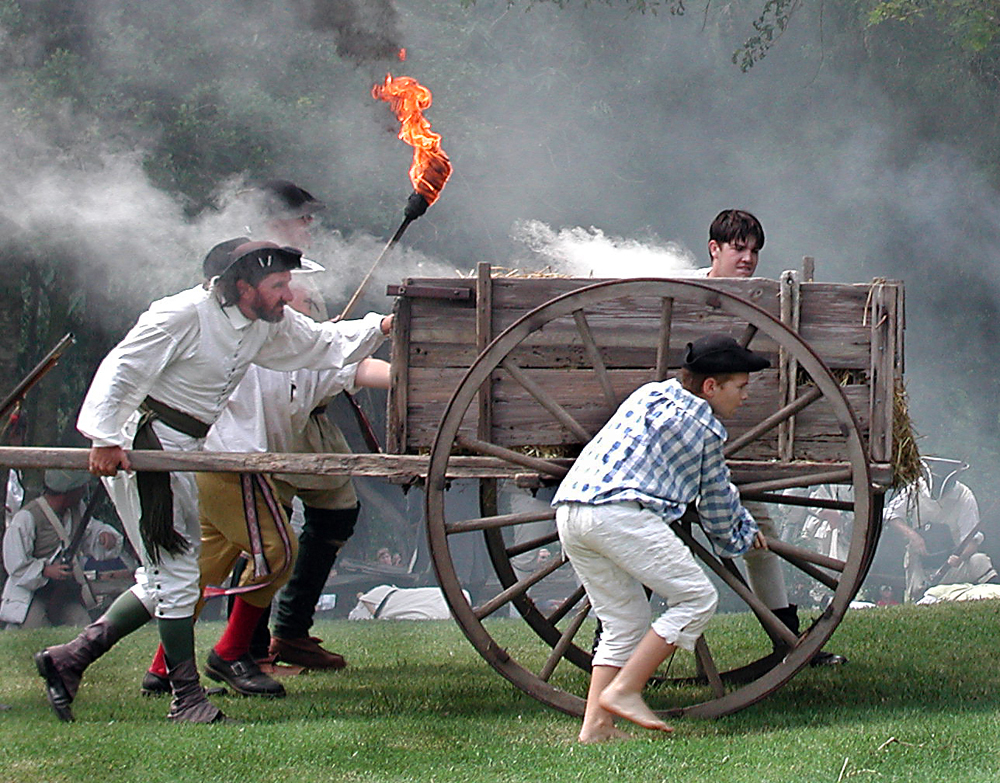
x=509, y=376
x=502, y=380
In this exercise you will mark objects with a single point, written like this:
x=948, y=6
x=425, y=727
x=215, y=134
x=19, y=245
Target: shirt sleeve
x=18, y=545
x=727, y=524
x=968, y=514
x=897, y=509
x=300, y=343
x=122, y=382
x=92, y=543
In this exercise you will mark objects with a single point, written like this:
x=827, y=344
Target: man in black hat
x=163, y=386
x=330, y=503
x=659, y=452
x=288, y=212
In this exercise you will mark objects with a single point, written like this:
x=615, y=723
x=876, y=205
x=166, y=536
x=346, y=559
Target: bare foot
x=604, y=733
x=631, y=707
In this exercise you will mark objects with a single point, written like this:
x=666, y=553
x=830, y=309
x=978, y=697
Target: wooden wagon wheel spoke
x=663, y=341
x=748, y=334
x=533, y=463
x=810, y=570
x=535, y=543
x=498, y=521
x=567, y=605
x=797, y=482
x=582, y=318
x=518, y=588
x=596, y=360
x=545, y=400
x=774, y=627
x=707, y=667
x=794, y=500
x=783, y=549
x=560, y=647
x=775, y=419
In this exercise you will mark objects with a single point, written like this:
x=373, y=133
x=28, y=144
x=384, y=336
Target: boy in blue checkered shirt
x=660, y=451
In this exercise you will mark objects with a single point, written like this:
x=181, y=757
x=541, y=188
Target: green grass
x=920, y=701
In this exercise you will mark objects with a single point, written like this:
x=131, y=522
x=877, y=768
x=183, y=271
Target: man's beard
x=272, y=316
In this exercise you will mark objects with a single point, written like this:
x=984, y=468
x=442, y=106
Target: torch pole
x=416, y=205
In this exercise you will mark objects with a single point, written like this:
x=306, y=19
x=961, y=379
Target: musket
x=938, y=575
x=33, y=377
x=69, y=552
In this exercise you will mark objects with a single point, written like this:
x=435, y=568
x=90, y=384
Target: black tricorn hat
x=284, y=199
x=217, y=260
x=716, y=354
x=268, y=255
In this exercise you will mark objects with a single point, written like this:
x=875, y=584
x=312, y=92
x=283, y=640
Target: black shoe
x=55, y=688
x=154, y=684
x=824, y=658
x=243, y=675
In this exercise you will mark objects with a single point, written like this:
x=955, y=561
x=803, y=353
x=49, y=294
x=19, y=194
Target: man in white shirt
x=163, y=386
x=45, y=588
x=330, y=503
x=939, y=518
x=277, y=412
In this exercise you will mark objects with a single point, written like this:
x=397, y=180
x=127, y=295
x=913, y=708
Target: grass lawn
x=919, y=701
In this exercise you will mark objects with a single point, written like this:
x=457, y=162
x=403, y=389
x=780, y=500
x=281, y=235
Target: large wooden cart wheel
x=716, y=681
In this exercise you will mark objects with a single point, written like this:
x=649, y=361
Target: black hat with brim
x=284, y=199
x=716, y=354
x=217, y=260
x=268, y=255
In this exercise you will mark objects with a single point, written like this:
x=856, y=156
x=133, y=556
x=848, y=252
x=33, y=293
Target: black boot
x=62, y=666
x=790, y=617
x=325, y=531
x=189, y=703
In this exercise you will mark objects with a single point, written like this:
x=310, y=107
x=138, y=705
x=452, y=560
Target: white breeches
x=167, y=589
x=617, y=548
x=764, y=571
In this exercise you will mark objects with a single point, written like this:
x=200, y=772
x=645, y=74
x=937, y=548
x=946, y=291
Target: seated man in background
x=45, y=588
x=939, y=517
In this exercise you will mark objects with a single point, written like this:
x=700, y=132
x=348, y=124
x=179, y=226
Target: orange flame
x=408, y=98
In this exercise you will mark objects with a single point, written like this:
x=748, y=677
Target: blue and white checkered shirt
x=663, y=450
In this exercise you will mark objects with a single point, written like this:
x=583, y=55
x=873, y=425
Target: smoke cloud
x=583, y=138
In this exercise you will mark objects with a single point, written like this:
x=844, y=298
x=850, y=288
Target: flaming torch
x=430, y=168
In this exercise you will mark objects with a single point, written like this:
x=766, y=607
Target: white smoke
x=590, y=252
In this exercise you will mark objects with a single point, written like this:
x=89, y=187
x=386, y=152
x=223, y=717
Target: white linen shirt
x=269, y=411
x=189, y=352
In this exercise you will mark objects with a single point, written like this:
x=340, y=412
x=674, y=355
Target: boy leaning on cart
x=660, y=451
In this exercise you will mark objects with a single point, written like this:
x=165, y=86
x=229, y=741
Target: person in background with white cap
x=43, y=588
x=661, y=451
x=164, y=386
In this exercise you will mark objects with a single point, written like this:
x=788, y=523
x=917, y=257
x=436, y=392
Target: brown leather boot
x=306, y=652
x=189, y=703
x=62, y=666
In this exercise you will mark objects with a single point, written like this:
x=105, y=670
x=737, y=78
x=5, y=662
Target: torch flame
x=408, y=98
